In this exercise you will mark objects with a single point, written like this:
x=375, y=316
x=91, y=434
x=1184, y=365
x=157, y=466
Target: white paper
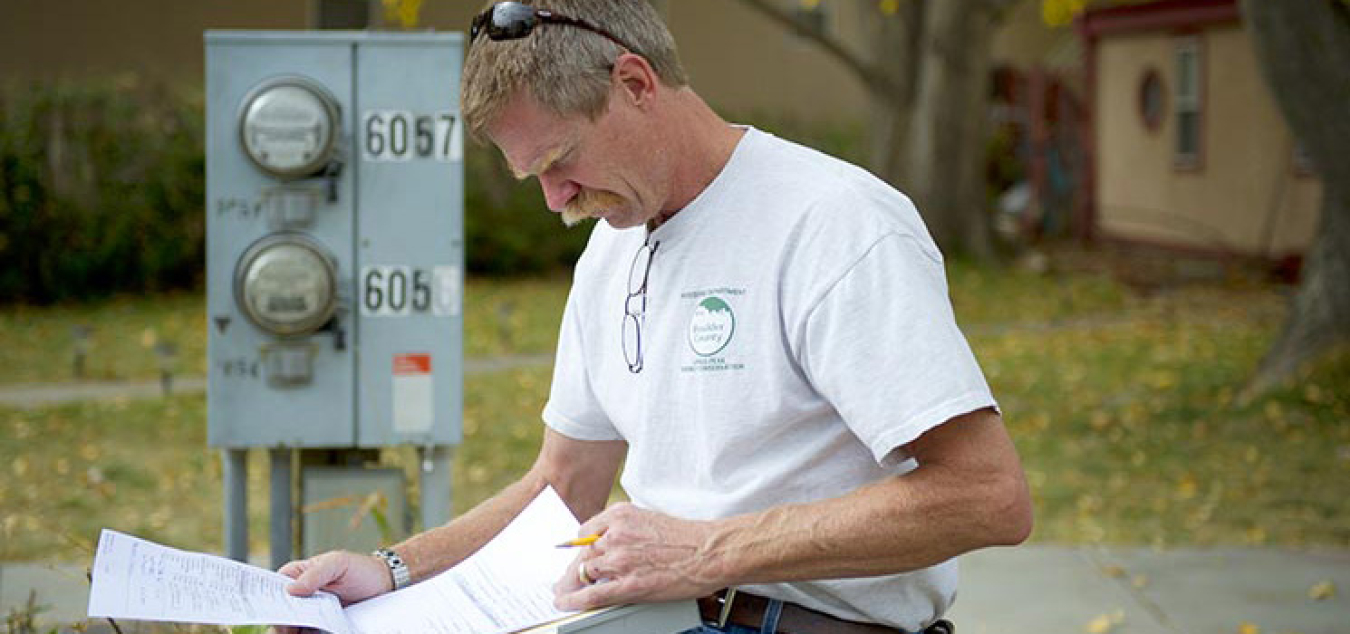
x=142, y=580
x=504, y=587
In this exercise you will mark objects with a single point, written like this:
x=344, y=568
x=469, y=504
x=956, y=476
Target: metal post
x=280, y=535
x=81, y=336
x=436, y=489
x=235, y=476
x=167, y=355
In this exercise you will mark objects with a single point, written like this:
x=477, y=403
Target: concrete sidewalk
x=1036, y=589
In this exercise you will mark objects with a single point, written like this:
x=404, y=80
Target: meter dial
x=289, y=127
x=286, y=284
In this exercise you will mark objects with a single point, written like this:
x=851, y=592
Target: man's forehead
x=531, y=138
x=539, y=160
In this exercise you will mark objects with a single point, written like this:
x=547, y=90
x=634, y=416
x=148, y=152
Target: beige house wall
x=737, y=59
x=745, y=64
x=1244, y=197
x=152, y=38
x=740, y=61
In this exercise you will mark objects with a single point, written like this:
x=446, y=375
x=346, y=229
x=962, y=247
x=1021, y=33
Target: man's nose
x=557, y=191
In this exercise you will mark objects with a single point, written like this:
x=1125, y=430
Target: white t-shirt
x=797, y=334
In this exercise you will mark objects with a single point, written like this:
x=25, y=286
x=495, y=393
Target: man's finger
x=600, y=523
x=588, y=597
x=314, y=574
x=570, y=581
x=293, y=569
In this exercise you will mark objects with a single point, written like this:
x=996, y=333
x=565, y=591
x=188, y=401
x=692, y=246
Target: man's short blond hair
x=566, y=69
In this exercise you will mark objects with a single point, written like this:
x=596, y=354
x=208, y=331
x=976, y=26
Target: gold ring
x=586, y=579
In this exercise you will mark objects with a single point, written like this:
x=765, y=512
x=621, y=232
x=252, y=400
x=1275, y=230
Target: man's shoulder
x=815, y=188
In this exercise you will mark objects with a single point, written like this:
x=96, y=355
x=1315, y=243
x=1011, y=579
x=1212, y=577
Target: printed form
x=505, y=587
x=137, y=579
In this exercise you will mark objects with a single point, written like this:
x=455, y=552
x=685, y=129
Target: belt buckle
x=727, y=600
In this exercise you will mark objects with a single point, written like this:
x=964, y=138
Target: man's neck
x=704, y=143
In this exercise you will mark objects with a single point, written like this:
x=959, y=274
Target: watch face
x=286, y=285
x=288, y=127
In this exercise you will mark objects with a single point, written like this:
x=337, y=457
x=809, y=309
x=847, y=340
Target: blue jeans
x=768, y=626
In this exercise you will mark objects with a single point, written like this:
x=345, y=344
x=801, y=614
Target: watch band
x=398, y=571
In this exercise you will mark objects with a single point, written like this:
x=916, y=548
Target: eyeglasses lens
x=635, y=306
x=511, y=20
x=632, y=342
x=637, y=275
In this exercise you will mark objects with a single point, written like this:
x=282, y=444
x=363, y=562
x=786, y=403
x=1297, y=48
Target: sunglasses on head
x=514, y=20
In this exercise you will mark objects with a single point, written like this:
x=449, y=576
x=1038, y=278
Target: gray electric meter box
x=335, y=245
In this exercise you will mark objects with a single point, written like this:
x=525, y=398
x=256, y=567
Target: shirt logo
x=712, y=326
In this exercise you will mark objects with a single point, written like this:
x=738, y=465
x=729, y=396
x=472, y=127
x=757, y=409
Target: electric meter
x=286, y=284
x=289, y=127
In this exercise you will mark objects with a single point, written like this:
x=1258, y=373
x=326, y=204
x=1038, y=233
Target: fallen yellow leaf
x=1100, y=625
x=1105, y=622
x=1187, y=486
x=1248, y=628
x=1322, y=591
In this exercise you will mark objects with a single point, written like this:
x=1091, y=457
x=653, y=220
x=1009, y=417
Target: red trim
x=1157, y=16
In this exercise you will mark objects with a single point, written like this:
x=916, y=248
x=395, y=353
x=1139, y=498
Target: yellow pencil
x=580, y=541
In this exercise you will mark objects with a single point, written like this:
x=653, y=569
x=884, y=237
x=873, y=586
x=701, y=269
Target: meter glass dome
x=289, y=127
x=286, y=285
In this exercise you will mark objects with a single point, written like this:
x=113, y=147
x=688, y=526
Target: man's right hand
x=352, y=577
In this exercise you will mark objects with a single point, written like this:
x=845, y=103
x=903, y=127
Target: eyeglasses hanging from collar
x=635, y=304
x=515, y=20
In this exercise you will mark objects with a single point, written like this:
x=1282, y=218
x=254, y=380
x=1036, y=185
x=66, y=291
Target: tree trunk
x=945, y=161
x=894, y=43
x=1304, y=51
x=927, y=76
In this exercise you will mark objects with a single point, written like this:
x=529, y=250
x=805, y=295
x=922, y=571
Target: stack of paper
x=507, y=586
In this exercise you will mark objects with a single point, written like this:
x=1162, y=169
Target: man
x=759, y=334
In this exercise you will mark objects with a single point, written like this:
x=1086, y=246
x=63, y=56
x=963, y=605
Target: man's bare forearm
x=435, y=550
x=940, y=510
x=582, y=472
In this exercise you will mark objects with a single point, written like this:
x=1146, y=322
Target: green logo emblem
x=711, y=327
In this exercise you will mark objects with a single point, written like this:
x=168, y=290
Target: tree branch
x=870, y=75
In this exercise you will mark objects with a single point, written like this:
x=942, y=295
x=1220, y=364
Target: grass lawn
x=37, y=344
x=1121, y=401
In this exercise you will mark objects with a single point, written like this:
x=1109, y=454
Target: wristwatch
x=398, y=570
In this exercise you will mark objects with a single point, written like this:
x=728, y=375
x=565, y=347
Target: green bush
x=101, y=189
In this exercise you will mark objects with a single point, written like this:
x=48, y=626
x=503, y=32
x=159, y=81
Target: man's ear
x=635, y=78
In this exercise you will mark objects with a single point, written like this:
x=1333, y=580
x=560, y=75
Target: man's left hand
x=641, y=557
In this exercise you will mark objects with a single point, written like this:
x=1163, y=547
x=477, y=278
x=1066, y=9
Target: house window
x=1187, y=102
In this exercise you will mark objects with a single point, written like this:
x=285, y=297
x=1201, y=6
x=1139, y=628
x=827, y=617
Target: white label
x=400, y=136
x=412, y=393
x=394, y=291
x=446, y=291
x=449, y=138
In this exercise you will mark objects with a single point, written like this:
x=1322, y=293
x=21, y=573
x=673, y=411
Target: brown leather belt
x=747, y=610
